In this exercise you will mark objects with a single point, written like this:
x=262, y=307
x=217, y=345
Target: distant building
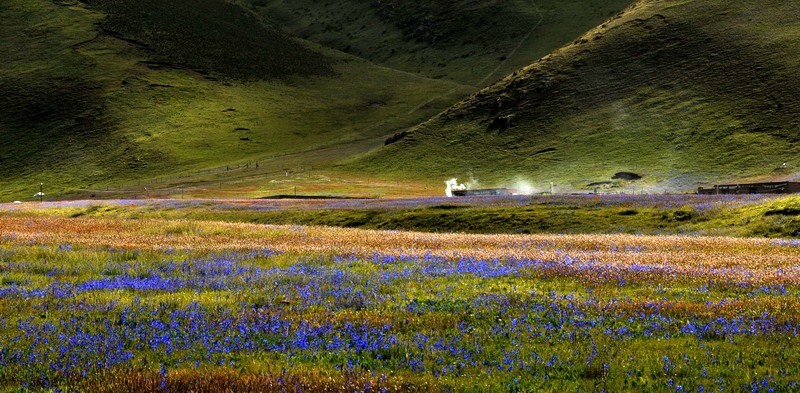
x=484, y=192
x=784, y=187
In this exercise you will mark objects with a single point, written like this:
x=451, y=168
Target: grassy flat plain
x=733, y=215
x=170, y=295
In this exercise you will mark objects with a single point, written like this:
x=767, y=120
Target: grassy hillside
x=213, y=36
x=467, y=41
x=682, y=93
x=121, y=93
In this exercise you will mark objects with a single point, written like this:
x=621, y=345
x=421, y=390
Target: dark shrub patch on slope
x=626, y=176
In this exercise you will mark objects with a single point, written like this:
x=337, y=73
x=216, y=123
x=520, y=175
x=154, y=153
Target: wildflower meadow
x=107, y=304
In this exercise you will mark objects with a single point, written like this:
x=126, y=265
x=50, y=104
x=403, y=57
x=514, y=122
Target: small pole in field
x=40, y=194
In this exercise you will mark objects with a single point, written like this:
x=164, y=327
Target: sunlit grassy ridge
x=84, y=108
x=683, y=93
x=108, y=305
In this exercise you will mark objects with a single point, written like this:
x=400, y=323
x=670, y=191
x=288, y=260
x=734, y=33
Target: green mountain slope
x=468, y=41
x=216, y=36
x=680, y=92
x=117, y=92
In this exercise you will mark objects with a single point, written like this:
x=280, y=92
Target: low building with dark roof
x=784, y=187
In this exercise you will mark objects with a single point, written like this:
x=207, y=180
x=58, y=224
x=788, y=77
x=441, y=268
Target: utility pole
x=40, y=194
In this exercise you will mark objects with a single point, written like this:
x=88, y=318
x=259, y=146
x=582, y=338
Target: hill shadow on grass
x=47, y=119
x=210, y=36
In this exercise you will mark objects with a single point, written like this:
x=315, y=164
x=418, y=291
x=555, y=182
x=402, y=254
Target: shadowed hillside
x=682, y=93
x=209, y=35
x=120, y=93
x=468, y=41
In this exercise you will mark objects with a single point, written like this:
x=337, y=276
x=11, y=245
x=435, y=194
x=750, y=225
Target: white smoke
x=452, y=185
x=523, y=187
x=473, y=183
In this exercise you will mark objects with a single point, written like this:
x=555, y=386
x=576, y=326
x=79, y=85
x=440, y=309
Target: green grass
x=83, y=110
x=684, y=93
x=213, y=36
x=143, y=95
x=773, y=217
x=462, y=40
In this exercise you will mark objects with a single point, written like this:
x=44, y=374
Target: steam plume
x=452, y=185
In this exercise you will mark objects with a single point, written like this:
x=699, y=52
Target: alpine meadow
x=399, y=196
